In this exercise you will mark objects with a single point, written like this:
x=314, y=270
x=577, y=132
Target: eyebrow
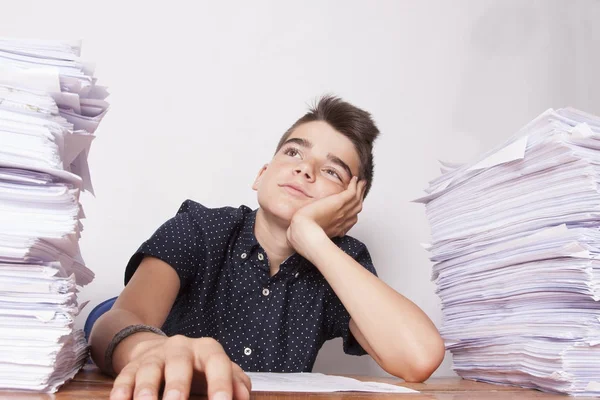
x=334, y=159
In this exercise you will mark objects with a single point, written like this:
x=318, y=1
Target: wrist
x=318, y=249
x=139, y=343
x=132, y=347
x=303, y=233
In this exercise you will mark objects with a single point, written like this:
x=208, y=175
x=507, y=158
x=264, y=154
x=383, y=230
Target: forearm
x=106, y=327
x=402, y=337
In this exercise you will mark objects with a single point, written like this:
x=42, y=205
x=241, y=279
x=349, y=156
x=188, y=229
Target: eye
x=292, y=152
x=333, y=173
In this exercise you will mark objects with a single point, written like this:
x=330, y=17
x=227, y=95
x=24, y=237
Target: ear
x=259, y=176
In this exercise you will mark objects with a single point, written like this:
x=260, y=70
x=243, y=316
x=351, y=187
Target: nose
x=305, y=169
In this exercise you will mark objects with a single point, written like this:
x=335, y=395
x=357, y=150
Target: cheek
x=266, y=178
x=326, y=188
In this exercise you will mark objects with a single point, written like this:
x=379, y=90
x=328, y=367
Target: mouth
x=295, y=190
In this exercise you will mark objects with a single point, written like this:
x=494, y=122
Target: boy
x=235, y=289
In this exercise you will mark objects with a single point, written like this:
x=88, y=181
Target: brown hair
x=354, y=123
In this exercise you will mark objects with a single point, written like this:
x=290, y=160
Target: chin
x=280, y=210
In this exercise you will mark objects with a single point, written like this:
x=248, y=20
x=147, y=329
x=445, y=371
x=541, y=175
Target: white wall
x=201, y=92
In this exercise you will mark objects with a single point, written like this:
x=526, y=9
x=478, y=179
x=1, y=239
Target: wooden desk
x=91, y=384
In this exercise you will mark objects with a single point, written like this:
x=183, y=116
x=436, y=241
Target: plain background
x=202, y=91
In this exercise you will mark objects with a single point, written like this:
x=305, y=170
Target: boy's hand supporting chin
x=329, y=217
x=392, y=329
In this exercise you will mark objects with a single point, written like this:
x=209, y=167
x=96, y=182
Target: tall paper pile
x=50, y=107
x=516, y=246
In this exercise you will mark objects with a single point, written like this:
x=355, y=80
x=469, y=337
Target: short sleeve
x=175, y=242
x=337, y=317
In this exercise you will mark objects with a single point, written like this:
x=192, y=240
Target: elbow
x=419, y=365
x=420, y=372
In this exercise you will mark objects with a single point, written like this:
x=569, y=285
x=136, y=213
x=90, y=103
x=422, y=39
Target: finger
x=357, y=199
x=240, y=390
x=356, y=204
x=179, y=370
x=357, y=208
x=345, y=200
x=350, y=192
x=124, y=383
x=361, y=189
x=148, y=378
x=349, y=224
x=355, y=184
x=219, y=379
x=237, y=371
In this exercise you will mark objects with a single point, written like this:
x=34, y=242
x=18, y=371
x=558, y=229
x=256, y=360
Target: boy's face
x=316, y=161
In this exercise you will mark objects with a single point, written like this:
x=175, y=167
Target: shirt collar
x=247, y=240
x=247, y=243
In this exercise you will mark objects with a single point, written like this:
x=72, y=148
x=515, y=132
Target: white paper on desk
x=317, y=383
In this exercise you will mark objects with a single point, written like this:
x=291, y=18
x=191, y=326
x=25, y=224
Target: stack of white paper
x=516, y=246
x=50, y=107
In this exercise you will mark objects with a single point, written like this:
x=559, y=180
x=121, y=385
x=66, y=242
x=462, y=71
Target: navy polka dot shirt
x=265, y=323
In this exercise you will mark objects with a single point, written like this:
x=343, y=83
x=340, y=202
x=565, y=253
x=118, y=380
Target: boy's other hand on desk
x=332, y=215
x=199, y=366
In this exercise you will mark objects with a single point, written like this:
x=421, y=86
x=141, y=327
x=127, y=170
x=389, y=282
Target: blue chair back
x=95, y=314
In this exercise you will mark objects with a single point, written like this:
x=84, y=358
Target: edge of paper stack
x=50, y=107
x=516, y=252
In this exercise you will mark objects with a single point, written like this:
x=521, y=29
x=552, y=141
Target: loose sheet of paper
x=317, y=383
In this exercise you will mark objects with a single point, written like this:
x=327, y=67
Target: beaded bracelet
x=119, y=337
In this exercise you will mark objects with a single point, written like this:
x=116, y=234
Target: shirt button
x=247, y=351
x=266, y=292
x=260, y=256
x=244, y=255
x=297, y=274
